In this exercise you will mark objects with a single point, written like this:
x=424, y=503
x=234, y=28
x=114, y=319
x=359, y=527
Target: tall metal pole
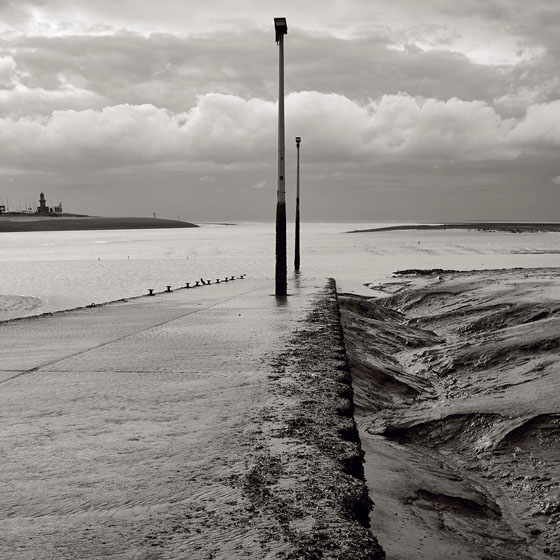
x=296, y=257
x=281, y=266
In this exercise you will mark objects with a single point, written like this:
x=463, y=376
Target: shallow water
x=74, y=268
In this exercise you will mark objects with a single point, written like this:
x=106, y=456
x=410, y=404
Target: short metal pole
x=296, y=257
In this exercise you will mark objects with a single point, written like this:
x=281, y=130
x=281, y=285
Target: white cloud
x=556, y=180
x=259, y=185
x=25, y=101
x=227, y=130
x=400, y=125
x=7, y=72
x=540, y=128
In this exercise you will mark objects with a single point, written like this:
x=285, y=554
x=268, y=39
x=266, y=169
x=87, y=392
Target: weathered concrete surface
x=205, y=423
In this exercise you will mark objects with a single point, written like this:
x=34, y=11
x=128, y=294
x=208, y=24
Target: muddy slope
x=457, y=389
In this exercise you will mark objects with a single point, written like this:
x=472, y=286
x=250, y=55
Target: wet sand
x=457, y=393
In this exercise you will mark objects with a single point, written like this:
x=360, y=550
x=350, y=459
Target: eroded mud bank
x=457, y=392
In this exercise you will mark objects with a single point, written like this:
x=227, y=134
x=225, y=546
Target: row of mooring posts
x=198, y=283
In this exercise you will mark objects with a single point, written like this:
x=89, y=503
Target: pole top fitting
x=281, y=27
x=298, y=140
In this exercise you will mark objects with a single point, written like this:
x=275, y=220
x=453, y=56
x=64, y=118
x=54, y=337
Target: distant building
x=42, y=209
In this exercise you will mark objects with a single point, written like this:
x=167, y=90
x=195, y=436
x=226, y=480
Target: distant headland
x=512, y=227
x=53, y=219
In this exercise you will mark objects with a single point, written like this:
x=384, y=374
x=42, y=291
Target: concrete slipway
x=214, y=422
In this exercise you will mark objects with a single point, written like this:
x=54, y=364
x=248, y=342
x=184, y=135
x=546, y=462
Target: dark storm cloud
x=170, y=71
x=368, y=68
x=164, y=70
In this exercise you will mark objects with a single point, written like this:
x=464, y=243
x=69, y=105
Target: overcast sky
x=408, y=110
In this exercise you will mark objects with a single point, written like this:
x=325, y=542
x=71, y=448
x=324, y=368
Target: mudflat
x=70, y=223
x=457, y=392
x=512, y=227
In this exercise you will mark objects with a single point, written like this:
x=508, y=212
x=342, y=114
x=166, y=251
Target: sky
x=408, y=111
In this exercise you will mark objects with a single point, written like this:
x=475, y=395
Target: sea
x=42, y=272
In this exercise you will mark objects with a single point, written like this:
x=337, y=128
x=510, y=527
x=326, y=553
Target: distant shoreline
x=19, y=223
x=512, y=227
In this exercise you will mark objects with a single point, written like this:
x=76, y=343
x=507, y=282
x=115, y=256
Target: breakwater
x=309, y=478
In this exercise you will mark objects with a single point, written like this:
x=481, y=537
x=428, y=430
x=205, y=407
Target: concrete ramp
x=204, y=423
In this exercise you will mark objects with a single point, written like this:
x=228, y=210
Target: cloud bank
x=227, y=129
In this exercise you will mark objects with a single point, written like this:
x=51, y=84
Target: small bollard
x=242, y=276
x=217, y=280
x=187, y=284
x=197, y=283
x=226, y=279
x=168, y=288
x=232, y=278
x=208, y=282
x=150, y=291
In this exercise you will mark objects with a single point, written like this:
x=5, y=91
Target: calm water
x=68, y=269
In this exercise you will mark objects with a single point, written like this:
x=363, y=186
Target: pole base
x=281, y=267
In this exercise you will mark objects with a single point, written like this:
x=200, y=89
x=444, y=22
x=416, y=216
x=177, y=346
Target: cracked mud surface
x=457, y=391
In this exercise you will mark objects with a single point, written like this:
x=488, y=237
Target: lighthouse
x=42, y=209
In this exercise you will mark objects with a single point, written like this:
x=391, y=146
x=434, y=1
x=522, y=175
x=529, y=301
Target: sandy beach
x=457, y=392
